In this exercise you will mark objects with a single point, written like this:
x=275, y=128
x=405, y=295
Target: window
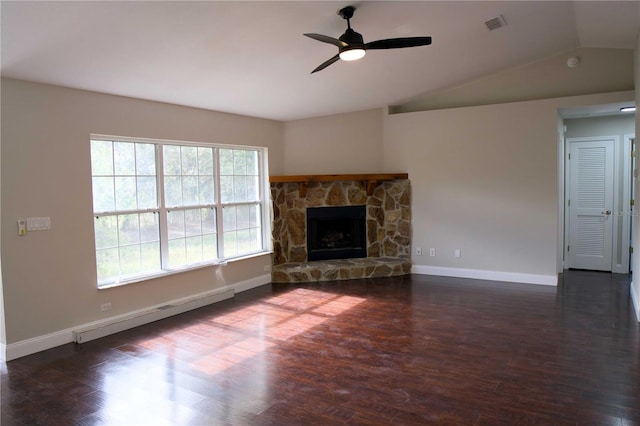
x=165, y=206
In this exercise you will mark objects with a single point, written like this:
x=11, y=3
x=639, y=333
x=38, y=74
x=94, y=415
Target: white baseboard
x=635, y=299
x=123, y=322
x=39, y=343
x=480, y=274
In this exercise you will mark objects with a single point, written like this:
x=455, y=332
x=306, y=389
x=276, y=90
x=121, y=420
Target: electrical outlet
x=457, y=253
x=105, y=307
x=418, y=251
x=432, y=252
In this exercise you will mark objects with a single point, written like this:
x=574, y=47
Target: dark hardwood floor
x=406, y=350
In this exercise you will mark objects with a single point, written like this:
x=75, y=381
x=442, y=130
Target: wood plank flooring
x=401, y=351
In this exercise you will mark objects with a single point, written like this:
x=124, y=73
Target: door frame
x=621, y=172
x=629, y=146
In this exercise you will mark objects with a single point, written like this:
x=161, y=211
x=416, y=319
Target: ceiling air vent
x=495, y=23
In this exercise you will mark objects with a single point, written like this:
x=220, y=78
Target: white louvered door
x=591, y=204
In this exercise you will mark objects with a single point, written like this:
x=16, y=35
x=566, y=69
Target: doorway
x=596, y=191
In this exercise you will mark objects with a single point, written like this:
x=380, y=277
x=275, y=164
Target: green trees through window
x=162, y=206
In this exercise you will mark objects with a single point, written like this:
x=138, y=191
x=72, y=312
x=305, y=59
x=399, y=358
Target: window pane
x=149, y=228
x=226, y=189
x=150, y=257
x=146, y=189
x=175, y=224
x=242, y=230
x=226, y=161
x=126, y=193
x=124, y=159
x=244, y=241
x=229, y=219
x=172, y=191
x=242, y=217
x=208, y=221
x=206, y=190
x=190, y=191
x=253, y=188
x=209, y=247
x=130, y=259
x=189, y=160
x=255, y=216
x=177, y=255
x=108, y=264
x=103, y=195
x=230, y=244
x=128, y=229
x=239, y=162
x=145, y=159
x=205, y=161
x=239, y=189
x=245, y=184
x=252, y=163
x=101, y=158
x=106, y=229
x=194, y=249
x=192, y=222
x=256, y=239
x=171, y=155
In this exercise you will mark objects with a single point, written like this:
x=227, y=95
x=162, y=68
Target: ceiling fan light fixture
x=352, y=54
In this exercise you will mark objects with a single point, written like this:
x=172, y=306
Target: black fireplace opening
x=336, y=232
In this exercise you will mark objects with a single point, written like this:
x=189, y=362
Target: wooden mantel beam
x=372, y=179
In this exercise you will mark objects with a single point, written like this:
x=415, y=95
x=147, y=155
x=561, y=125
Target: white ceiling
x=251, y=58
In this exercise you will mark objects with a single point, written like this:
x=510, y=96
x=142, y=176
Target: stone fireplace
x=383, y=199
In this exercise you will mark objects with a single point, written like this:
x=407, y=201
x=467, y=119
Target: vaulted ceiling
x=251, y=58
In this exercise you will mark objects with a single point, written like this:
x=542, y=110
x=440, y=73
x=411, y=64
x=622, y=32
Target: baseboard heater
x=116, y=324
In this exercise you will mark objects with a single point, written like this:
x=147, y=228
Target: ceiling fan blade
x=326, y=39
x=396, y=43
x=326, y=64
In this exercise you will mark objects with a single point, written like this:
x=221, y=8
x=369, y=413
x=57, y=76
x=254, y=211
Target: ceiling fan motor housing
x=352, y=39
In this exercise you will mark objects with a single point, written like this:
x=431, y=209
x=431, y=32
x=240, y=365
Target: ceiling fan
x=351, y=45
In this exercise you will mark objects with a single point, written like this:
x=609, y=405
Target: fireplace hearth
x=336, y=232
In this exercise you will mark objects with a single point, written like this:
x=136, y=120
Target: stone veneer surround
x=388, y=229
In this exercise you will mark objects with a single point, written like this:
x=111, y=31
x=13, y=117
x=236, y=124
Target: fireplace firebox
x=336, y=232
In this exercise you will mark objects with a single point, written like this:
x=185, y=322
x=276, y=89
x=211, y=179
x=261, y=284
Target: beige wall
x=484, y=180
x=635, y=288
x=49, y=278
x=600, y=71
x=3, y=336
x=335, y=144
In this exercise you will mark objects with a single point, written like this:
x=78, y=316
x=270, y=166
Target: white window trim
x=265, y=208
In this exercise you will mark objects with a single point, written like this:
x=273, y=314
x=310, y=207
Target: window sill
x=169, y=272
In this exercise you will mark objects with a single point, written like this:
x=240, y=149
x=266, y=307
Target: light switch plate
x=38, y=223
x=22, y=227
